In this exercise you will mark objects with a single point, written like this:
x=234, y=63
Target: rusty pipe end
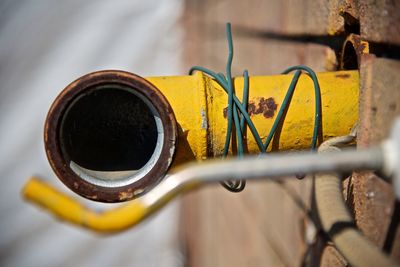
x=110, y=136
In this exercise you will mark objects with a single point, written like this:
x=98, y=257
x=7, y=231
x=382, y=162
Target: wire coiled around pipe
x=238, y=117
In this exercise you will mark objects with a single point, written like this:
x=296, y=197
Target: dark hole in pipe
x=108, y=128
x=350, y=60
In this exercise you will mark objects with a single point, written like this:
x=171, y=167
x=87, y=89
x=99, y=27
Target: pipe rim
x=125, y=189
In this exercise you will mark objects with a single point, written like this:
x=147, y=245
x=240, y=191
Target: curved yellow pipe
x=70, y=210
x=198, y=103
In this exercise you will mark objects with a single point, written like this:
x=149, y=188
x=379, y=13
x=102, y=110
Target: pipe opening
x=111, y=135
x=350, y=59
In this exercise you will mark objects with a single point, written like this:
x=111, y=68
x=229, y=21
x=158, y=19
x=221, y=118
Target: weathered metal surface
x=352, y=50
x=339, y=108
x=60, y=161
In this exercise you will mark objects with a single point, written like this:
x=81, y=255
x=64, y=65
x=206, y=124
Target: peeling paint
x=125, y=195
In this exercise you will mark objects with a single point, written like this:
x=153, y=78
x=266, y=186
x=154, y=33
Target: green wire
x=237, y=101
x=238, y=117
x=282, y=109
x=245, y=97
x=318, y=112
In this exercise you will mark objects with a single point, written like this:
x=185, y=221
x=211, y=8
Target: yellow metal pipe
x=198, y=103
x=70, y=210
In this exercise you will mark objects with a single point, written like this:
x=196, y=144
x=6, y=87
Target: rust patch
x=267, y=107
x=358, y=45
x=343, y=76
x=125, y=195
x=352, y=50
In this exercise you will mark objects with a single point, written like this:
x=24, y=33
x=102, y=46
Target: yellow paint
x=190, y=96
x=198, y=104
x=68, y=209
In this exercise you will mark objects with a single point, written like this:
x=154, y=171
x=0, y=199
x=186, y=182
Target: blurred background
x=44, y=45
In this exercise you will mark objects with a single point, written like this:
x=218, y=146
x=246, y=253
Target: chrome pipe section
x=259, y=167
x=384, y=158
x=110, y=136
x=191, y=177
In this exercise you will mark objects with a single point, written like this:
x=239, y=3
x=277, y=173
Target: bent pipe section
x=192, y=176
x=111, y=136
